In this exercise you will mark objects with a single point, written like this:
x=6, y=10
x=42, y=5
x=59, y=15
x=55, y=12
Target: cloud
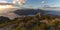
x=20, y=2
x=3, y=1
x=43, y=2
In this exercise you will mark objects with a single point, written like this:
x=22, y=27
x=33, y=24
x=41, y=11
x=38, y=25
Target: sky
x=31, y=4
x=39, y=3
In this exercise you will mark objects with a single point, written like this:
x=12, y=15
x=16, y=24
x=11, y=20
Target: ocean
x=53, y=12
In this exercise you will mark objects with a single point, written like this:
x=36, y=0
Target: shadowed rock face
x=2, y=28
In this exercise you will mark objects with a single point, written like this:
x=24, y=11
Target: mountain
x=28, y=11
x=35, y=11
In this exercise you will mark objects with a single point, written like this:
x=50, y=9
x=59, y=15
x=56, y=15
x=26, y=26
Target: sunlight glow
x=2, y=7
x=6, y=6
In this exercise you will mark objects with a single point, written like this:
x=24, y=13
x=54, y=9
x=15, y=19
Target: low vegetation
x=36, y=22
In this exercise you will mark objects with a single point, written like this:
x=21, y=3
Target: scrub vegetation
x=37, y=22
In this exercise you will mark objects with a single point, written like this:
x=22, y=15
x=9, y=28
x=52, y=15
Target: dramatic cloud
x=20, y=2
x=7, y=10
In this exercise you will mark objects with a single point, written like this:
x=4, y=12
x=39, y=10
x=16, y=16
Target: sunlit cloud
x=6, y=7
x=20, y=2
